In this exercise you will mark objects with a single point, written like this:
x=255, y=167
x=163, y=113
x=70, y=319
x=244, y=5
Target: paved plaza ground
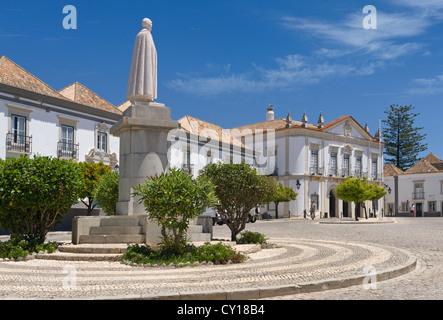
x=312, y=256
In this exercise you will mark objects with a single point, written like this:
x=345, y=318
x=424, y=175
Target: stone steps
x=65, y=256
x=112, y=238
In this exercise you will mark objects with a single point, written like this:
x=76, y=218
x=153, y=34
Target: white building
x=71, y=123
x=421, y=185
x=74, y=123
x=314, y=159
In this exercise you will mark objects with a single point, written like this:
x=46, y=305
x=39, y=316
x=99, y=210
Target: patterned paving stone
x=298, y=263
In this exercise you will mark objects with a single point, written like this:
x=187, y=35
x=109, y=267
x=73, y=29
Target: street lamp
x=298, y=184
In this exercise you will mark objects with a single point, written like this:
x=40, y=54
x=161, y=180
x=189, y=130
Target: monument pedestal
x=143, y=132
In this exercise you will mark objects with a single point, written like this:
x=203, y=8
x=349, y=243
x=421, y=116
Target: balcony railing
x=316, y=171
x=18, y=143
x=332, y=171
x=188, y=167
x=418, y=195
x=67, y=150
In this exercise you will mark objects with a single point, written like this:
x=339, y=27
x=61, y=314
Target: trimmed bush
x=252, y=237
x=215, y=253
x=106, y=192
x=35, y=194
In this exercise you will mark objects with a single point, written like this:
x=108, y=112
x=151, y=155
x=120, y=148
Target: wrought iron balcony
x=67, y=150
x=332, y=171
x=418, y=195
x=18, y=143
x=316, y=171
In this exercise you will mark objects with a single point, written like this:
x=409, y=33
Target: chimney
x=270, y=113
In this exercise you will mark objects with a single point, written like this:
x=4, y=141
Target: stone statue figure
x=142, y=84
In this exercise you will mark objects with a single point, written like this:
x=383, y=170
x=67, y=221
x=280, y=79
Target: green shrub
x=21, y=245
x=252, y=237
x=216, y=253
x=173, y=199
x=35, y=194
x=106, y=192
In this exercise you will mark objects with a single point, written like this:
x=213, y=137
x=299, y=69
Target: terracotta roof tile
x=13, y=75
x=430, y=163
x=390, y=170
x=80, y=94
x=207, y=129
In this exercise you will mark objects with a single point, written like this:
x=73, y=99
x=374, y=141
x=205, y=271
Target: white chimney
x=270, y=113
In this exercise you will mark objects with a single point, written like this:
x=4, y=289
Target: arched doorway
x=331, y=204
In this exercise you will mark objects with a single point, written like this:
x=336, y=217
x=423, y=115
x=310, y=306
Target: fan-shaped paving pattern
x=296, y=262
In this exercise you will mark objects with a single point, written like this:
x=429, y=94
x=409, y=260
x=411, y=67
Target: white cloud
x=290, y=71
x=427, y=86
x=346, y=49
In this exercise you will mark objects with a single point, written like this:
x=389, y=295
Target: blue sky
x=226, y=61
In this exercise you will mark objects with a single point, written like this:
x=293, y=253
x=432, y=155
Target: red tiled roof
x=430, y=163
x=80, y=94
x=390, y=170
x=13, y=75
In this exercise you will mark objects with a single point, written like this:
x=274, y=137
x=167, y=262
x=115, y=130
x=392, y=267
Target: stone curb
x=274, y=291
x=361, y=221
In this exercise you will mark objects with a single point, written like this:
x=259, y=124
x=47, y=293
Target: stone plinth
x=143, y=132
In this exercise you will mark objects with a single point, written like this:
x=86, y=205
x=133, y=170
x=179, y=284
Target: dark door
x=419, y=209
x=331, y=205
x=345, y=210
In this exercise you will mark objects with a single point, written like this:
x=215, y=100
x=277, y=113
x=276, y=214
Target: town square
x=223, y=151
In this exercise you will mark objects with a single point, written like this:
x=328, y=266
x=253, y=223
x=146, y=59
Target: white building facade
x=37, y=120
x=420, y=186
x=314, y=159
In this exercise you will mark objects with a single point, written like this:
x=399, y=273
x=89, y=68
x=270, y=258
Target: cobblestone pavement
x=423, y=237
x=310, y=252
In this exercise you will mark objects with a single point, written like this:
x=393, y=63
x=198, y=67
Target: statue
x=142, y=84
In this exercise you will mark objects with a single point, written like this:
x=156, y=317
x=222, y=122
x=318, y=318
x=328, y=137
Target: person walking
x=412, y=210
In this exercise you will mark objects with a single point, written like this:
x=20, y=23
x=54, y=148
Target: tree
x=357, y=190
x=173, y=199
x=403, y=139
x=239, y=189
x=281, y=194
x=35, y=194
x=376, y=192
x=106, y=192
x=92, y=173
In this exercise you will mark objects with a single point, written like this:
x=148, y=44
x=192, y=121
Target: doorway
x=345, y=209
x=331, y=204
x=419, y=209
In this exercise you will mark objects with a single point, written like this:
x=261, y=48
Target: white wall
x=44, y=127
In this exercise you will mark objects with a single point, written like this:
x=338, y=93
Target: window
x=66, y=146
x=17, y=141
x=374, y=171
x=314, y=161
x=418, y=191
x=358, y=166
x=404, y=207
x=102, y=141
x=432, y=206
x=18, y=127
x=333, y=164
x=346, y=165
x=390, y=209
